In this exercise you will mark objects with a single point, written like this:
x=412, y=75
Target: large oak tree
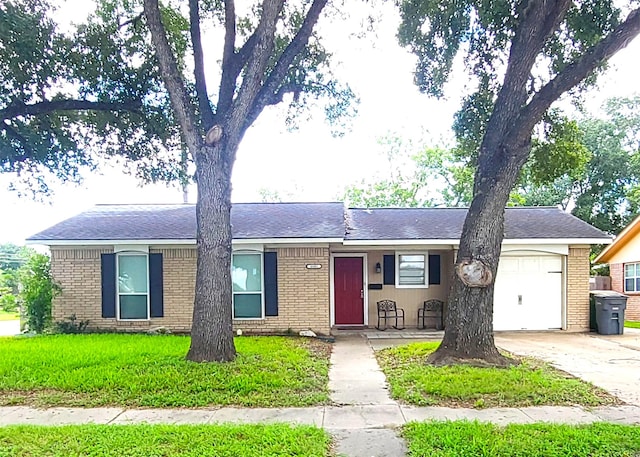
x=524, y=56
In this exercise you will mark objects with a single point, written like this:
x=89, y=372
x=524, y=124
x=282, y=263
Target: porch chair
x=431, y=310
x=387, y=310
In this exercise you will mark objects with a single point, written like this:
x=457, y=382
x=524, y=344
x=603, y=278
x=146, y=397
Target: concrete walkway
x=9, y=328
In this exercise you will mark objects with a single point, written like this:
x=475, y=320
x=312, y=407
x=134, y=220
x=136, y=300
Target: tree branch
x=257, y=63
x=13, y=133
x=572, y=74
x=45, y=107
x=538, y=20
x=280, y=70
x=231, y=67
x=198, y=59
x=172, y=78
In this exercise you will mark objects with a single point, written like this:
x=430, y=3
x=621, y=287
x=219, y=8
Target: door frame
x=365, y=282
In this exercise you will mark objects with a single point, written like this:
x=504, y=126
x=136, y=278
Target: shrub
x=71, y=325
x=37, y=292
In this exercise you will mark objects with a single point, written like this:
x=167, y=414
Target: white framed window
x=412, y=270
x=248, y=285
x=132, y=271
x=632, y=277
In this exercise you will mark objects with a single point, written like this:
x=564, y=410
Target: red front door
x=348, y=291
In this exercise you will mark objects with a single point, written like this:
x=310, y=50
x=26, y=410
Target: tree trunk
x=211, y=331
x=468, y=336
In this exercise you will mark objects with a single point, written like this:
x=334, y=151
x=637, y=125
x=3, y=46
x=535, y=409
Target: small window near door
x=412, y=269
x=632, y=277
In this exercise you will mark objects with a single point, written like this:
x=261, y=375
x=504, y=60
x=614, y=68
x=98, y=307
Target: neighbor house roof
x=178, y=222
x=627, y=234
x=446, y=224
x=318, y=221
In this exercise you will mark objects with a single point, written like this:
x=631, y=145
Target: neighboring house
x=623, y=257
x=313, y=265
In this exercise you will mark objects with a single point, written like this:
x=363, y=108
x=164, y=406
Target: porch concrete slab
x=354, y=375
x=164, y=416
x=362, y=416
x=500, y=416
x=611, y=362
x=625, y=414
x=305, y=416
x=560, y=414
x=369, y=443
x=24, y=415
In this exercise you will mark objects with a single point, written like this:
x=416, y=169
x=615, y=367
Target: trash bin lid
x=607, y=293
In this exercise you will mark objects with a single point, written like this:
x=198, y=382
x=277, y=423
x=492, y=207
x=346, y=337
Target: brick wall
x=632, y=313
x=578, y=289
x=303, y=294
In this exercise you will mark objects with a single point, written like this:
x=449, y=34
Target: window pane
x=637, y=285
x=629, y=270
x=411, y=271
x=132, y=274
x=247, y=306
x=133, y=306
x=628, y=285
x=637, y=269
x=246, y=273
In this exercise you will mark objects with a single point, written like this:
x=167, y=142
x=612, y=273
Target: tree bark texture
x=211, y=331
x=504, y=150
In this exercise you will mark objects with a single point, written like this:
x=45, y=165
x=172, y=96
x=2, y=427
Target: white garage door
x=528, y=293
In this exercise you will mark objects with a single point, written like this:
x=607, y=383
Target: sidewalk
x=360, y=417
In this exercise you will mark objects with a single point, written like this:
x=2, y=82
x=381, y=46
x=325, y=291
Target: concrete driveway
x=8, y=328
x=611, y=362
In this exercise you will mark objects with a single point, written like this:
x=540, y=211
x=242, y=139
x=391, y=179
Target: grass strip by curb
x=475, y=439
x=164, y=440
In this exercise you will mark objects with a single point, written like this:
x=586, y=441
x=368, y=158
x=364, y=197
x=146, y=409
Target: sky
x=308, y=164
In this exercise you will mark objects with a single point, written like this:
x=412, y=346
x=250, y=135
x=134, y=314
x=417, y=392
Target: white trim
x=391, y=243
x=634, y=277
x=453, y=243
x=131, y=254
x=539, y=249
x=248, y=248
x=262, y=310
x=130, y=248
x=425, y=284
x=365, y=283
x=182, y=242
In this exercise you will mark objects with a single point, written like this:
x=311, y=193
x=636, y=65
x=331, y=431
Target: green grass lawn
x=473, y=439
x=532, y=382
x=632, y=324
x=150, y=371
x=4, y=316
x=164, y=440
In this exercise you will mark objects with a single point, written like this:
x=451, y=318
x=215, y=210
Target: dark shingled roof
x=308, y=220
x=178, y=222
x=446, y=224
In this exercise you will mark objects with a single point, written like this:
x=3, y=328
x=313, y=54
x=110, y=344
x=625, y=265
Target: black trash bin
x=609, y=312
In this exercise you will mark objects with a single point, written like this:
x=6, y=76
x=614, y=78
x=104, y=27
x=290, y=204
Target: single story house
x=623, y=257
x=317, y=266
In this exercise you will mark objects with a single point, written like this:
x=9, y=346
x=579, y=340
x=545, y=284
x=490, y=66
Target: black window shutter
x=156, y=286
x=389, y=269
x=434, y=268
x=108, y=273
x=270, y=284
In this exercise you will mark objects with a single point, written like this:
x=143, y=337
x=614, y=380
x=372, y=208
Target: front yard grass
x=531, y=383
x=473, y=439
x=632, y=324
x=164, y=440
x=151, y=371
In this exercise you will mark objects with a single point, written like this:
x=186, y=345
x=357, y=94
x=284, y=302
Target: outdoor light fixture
x=378, y=267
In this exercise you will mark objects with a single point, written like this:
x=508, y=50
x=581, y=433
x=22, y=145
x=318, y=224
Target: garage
x=528, y=292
